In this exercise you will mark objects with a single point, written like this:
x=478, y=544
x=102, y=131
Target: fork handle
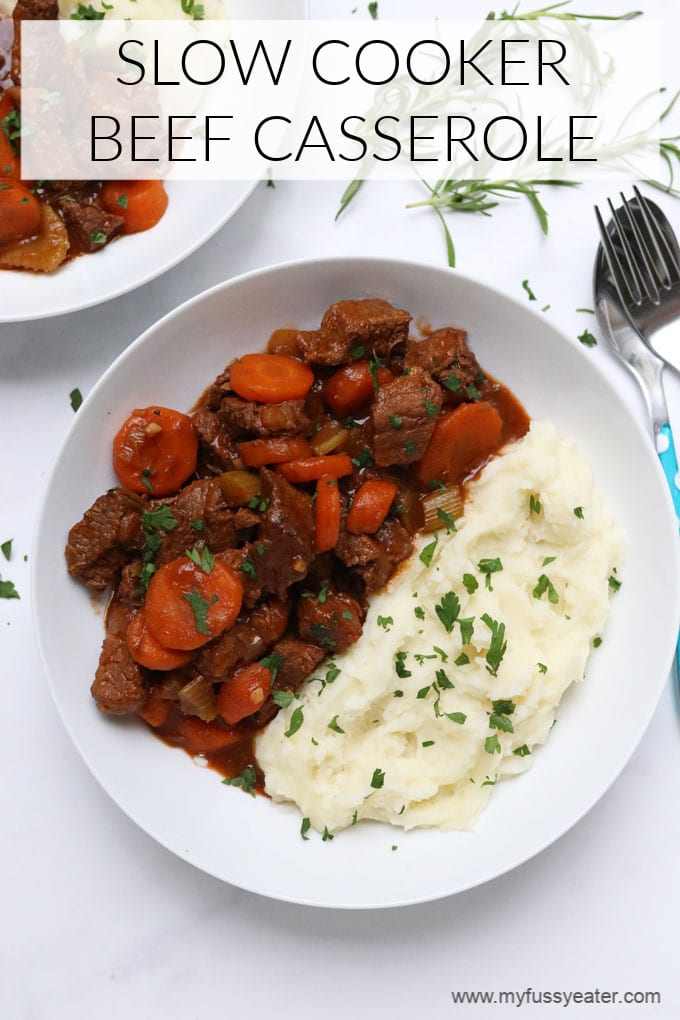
x=665, y=447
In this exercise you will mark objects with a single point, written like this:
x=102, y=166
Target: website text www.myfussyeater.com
x=532, y=996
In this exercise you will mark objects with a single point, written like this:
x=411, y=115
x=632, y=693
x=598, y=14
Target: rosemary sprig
x=555, y=11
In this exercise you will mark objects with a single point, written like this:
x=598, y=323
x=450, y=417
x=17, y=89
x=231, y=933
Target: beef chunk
x=202, y=503
x=335, y=624
x=216, y=451
x=89, y=227
x=375, y=557
x=129, y=590
x=403, y=416
x=36, y=10
x=300, y=659
x=243, y=417
x=446, y=356
x=99, y=545
x=284, y=547
x=118, y=686
x=371, y=323
x=248, y=640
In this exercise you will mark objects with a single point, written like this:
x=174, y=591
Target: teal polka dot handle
x=669, y=462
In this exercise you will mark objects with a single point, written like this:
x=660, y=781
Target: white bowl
x=196, y=211
x=252, y=842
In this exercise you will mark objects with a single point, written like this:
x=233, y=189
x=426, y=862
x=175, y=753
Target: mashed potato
x=462, y=662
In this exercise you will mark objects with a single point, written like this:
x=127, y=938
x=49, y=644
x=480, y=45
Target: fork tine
x=620, y=240
x=622, y=280
x=667, y=257
x=644, y=261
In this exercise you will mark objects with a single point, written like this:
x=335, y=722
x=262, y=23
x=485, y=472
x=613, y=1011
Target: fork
x=644, y=267
x=642, y=252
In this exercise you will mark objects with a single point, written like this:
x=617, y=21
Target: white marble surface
x=99, y=921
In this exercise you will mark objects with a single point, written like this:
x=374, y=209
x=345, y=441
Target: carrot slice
x=326, y=514
x=200, y=737
x=244, y=692
x=185, y=606
x=20, y=211
x=9, y=148
x=352, y=387
x=257, y=452
x=147, y=651
x=155, y=451
x=462, y=441
x=156, y=710
x=270, y=378
x=311, y=469
x=370, y=507
x=140, y=203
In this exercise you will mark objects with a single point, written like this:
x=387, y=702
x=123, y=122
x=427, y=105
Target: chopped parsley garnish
x=305, y=827
x=447, y=520
x=462, y=660
x=489, y=567
x=447, y=610
x=427, y=551
x=273, y=663
x=399, y=660
x=423, y=692
x=428, y=743
x=472, y=391
x=322, y=635
x=246, y=781
x=587, y=338
x=522, y=751
x=398, y=694
x=198, y=524
x=410, y=447
x=545, y=585
x=248, y=567
x=7, y=590
x=542, y=668
x=492, y=745
x=99, y=237
x=373, y=9
x=357, y=352
x=326, y=834
x=296, y=721
x=614, y=584
x=146, y=481
x=395, y=421
x=457, y=717
x=283, y=698
x=597, y=642
x=453, y=383
x=6, y=548
x=385, y=622
x=203, y=558
x=153, y=523
x=87, y=13
x=378, y=779
x=499, y=717
x=76, y=398
x=498, y=646
x=436, y=483
x=320, y=596
x=440, y=652
x=527, y=288
x=470, y=583
x=122, y=201
x=374, y=364
x=547, y=560
x=200, y=607
x=443, y=680
x=258, y=504
x=419, y=612
x=364, y=459
x=466, y=629
x=334, y=725
x=534, y=504
x=430, y=407
x=578, y=512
